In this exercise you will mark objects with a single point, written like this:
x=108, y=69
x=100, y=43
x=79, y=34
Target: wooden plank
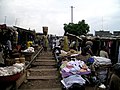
x=43, y=89
x=52, y=69
x=45, y=64
x=21, y=79
x=41, y=77
x=39, y=60
x=45, y=57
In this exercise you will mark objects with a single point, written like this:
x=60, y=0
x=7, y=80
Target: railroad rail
x=34, y=57
x=15, y=85
x=42, y=73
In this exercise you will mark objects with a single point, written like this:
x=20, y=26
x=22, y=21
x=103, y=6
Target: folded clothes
x=67, y=82
x=101, y=60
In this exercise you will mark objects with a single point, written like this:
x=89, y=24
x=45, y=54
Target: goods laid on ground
x=11, y=70
x=29, y=49
x=11, y=73
x=75, y=70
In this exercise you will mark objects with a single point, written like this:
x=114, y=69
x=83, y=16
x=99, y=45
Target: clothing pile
x=71, y=72
x=101, y=60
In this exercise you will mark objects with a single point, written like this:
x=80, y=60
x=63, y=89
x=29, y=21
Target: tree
x=81, y=28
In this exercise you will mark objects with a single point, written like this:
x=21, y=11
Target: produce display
x=29, y=49
x=11, y=70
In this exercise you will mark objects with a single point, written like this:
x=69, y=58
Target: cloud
x=35, y=14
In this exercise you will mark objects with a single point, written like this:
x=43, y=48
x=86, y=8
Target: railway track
x=42, y=73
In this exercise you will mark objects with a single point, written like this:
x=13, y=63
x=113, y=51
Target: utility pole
x=16, y=21
x=72, y=14
x=102, y=22
x=5, y=19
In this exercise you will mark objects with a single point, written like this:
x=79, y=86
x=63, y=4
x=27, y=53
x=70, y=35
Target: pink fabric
x=66, y=74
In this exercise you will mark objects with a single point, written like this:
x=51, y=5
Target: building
x=103, y=33
x=116, y=33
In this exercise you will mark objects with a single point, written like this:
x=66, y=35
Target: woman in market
x=89, y=50
x=86, y=57
x=45, y=42
x=103, y=52
x=115, y=78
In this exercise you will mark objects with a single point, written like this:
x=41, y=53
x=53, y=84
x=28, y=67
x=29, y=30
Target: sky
x=34, y=14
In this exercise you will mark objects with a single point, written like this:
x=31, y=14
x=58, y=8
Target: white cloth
x=74, y=66
x=101, y=60
x=67, y=82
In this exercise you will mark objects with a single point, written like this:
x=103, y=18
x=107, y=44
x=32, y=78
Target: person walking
x=45, y=42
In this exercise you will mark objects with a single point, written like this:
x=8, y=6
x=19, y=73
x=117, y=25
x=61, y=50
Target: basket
x=11, y=78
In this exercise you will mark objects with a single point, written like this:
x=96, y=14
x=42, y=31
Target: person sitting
x=89, y=50
x=115, y=78
x=84, y=56
x=103, y=52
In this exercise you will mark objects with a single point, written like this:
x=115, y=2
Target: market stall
x=82, y=68
x=10, y=74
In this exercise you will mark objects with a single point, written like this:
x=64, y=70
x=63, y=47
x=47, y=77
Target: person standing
x=45, y=42
x=57, y=48
x=9, y=45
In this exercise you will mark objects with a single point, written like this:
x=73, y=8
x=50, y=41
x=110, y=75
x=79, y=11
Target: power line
x=16, y=21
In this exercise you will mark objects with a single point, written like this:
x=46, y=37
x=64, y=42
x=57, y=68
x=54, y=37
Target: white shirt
x=9, y=44
x=57, y=43
x=103, y=54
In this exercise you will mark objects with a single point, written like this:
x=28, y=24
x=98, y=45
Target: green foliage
x=81, y=28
